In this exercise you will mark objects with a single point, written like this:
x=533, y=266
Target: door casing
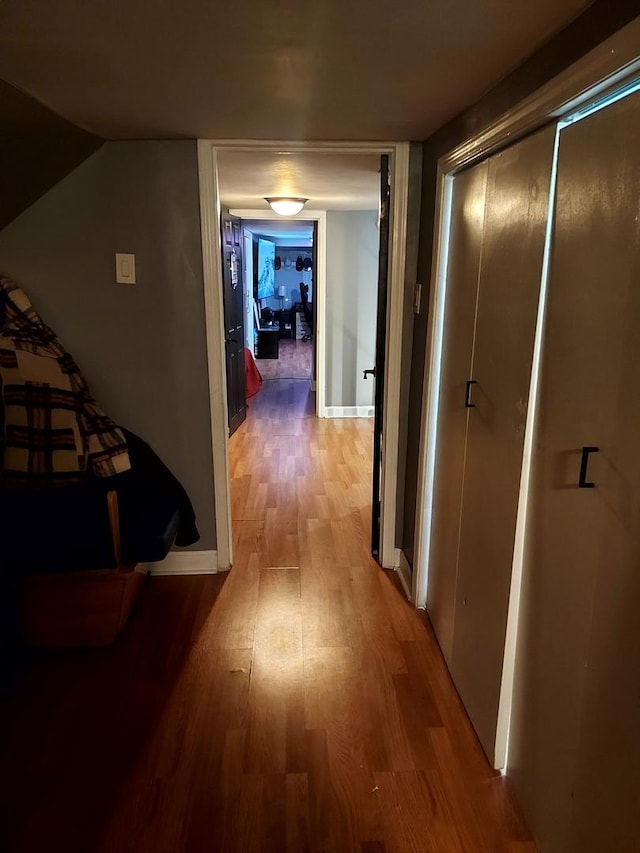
x=212, y=278
x=319, y=286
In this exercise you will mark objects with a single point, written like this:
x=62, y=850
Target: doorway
x=210, y=218
x=285, y=290
x=279, y=304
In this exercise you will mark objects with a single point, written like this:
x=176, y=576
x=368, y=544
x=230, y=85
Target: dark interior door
x=233, y=319
x=381, y=340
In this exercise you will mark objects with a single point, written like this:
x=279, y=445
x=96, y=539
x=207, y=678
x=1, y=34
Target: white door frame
x=319, y=287
x=214, y=319
x=601, y=70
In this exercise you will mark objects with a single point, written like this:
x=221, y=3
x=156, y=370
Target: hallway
x=354, y=733
x=297, y=703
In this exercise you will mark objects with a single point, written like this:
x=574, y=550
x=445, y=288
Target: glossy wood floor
x=296, y=704
x=294, y=361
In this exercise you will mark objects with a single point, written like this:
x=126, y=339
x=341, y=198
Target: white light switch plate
x=125, y=269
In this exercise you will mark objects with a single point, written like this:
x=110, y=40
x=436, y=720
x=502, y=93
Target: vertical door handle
x=584, y=464
x=467, y=394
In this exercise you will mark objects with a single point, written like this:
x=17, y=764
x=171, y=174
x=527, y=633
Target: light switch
x=125, y=269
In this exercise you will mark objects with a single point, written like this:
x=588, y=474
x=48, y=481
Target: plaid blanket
x=54, y=433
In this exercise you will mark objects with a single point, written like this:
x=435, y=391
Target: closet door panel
x=510, y=276
x=599, y=261
x=575, y=752
x=465, y=245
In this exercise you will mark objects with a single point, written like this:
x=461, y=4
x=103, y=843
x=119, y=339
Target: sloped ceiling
x=284, y=69
x=37, y=149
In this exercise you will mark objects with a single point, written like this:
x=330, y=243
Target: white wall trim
x=319, y=288
x=320, y=297
x=210, y=223
x=187, y=563
x=379, y=146
x=214, y=327
x=393, y=362
x=431, y=392
x=348, y=412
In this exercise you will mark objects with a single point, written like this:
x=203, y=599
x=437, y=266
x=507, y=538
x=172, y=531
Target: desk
x=268, y=342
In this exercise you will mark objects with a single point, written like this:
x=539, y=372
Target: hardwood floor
x=294, y=361
x=297, y=703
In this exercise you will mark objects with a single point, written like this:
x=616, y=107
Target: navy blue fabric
x=67, y=529
x=148, y=525
x=149, y=475
x=55, y=530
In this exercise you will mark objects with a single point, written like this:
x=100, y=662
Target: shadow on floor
x=61, y=779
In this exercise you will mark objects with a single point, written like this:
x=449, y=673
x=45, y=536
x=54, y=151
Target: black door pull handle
x=467, y=394
x=584, y=464
x=371, y=372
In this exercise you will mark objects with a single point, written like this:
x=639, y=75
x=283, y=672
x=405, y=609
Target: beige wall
x=351, y=300
x=142, y=348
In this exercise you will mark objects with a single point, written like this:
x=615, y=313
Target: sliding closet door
x=575, y=751
x=515, y=222
x=467, y=218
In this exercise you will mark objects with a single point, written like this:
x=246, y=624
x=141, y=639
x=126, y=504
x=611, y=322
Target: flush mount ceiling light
x=285, y=205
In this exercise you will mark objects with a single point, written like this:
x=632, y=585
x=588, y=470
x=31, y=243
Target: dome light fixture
x=286, y=205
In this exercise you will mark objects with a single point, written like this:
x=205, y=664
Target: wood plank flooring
x=294, y=361
x=297, y=703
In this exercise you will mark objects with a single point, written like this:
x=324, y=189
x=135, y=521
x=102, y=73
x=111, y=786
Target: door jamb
x=214, y=322
x=319, y=287
x=214, y=330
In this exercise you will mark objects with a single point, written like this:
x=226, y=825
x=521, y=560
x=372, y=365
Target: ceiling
x=283, y=69
x=330, y=180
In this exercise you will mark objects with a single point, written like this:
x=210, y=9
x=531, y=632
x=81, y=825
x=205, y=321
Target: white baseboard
x=348, y=412
x=187, y=563
x=405, y=574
